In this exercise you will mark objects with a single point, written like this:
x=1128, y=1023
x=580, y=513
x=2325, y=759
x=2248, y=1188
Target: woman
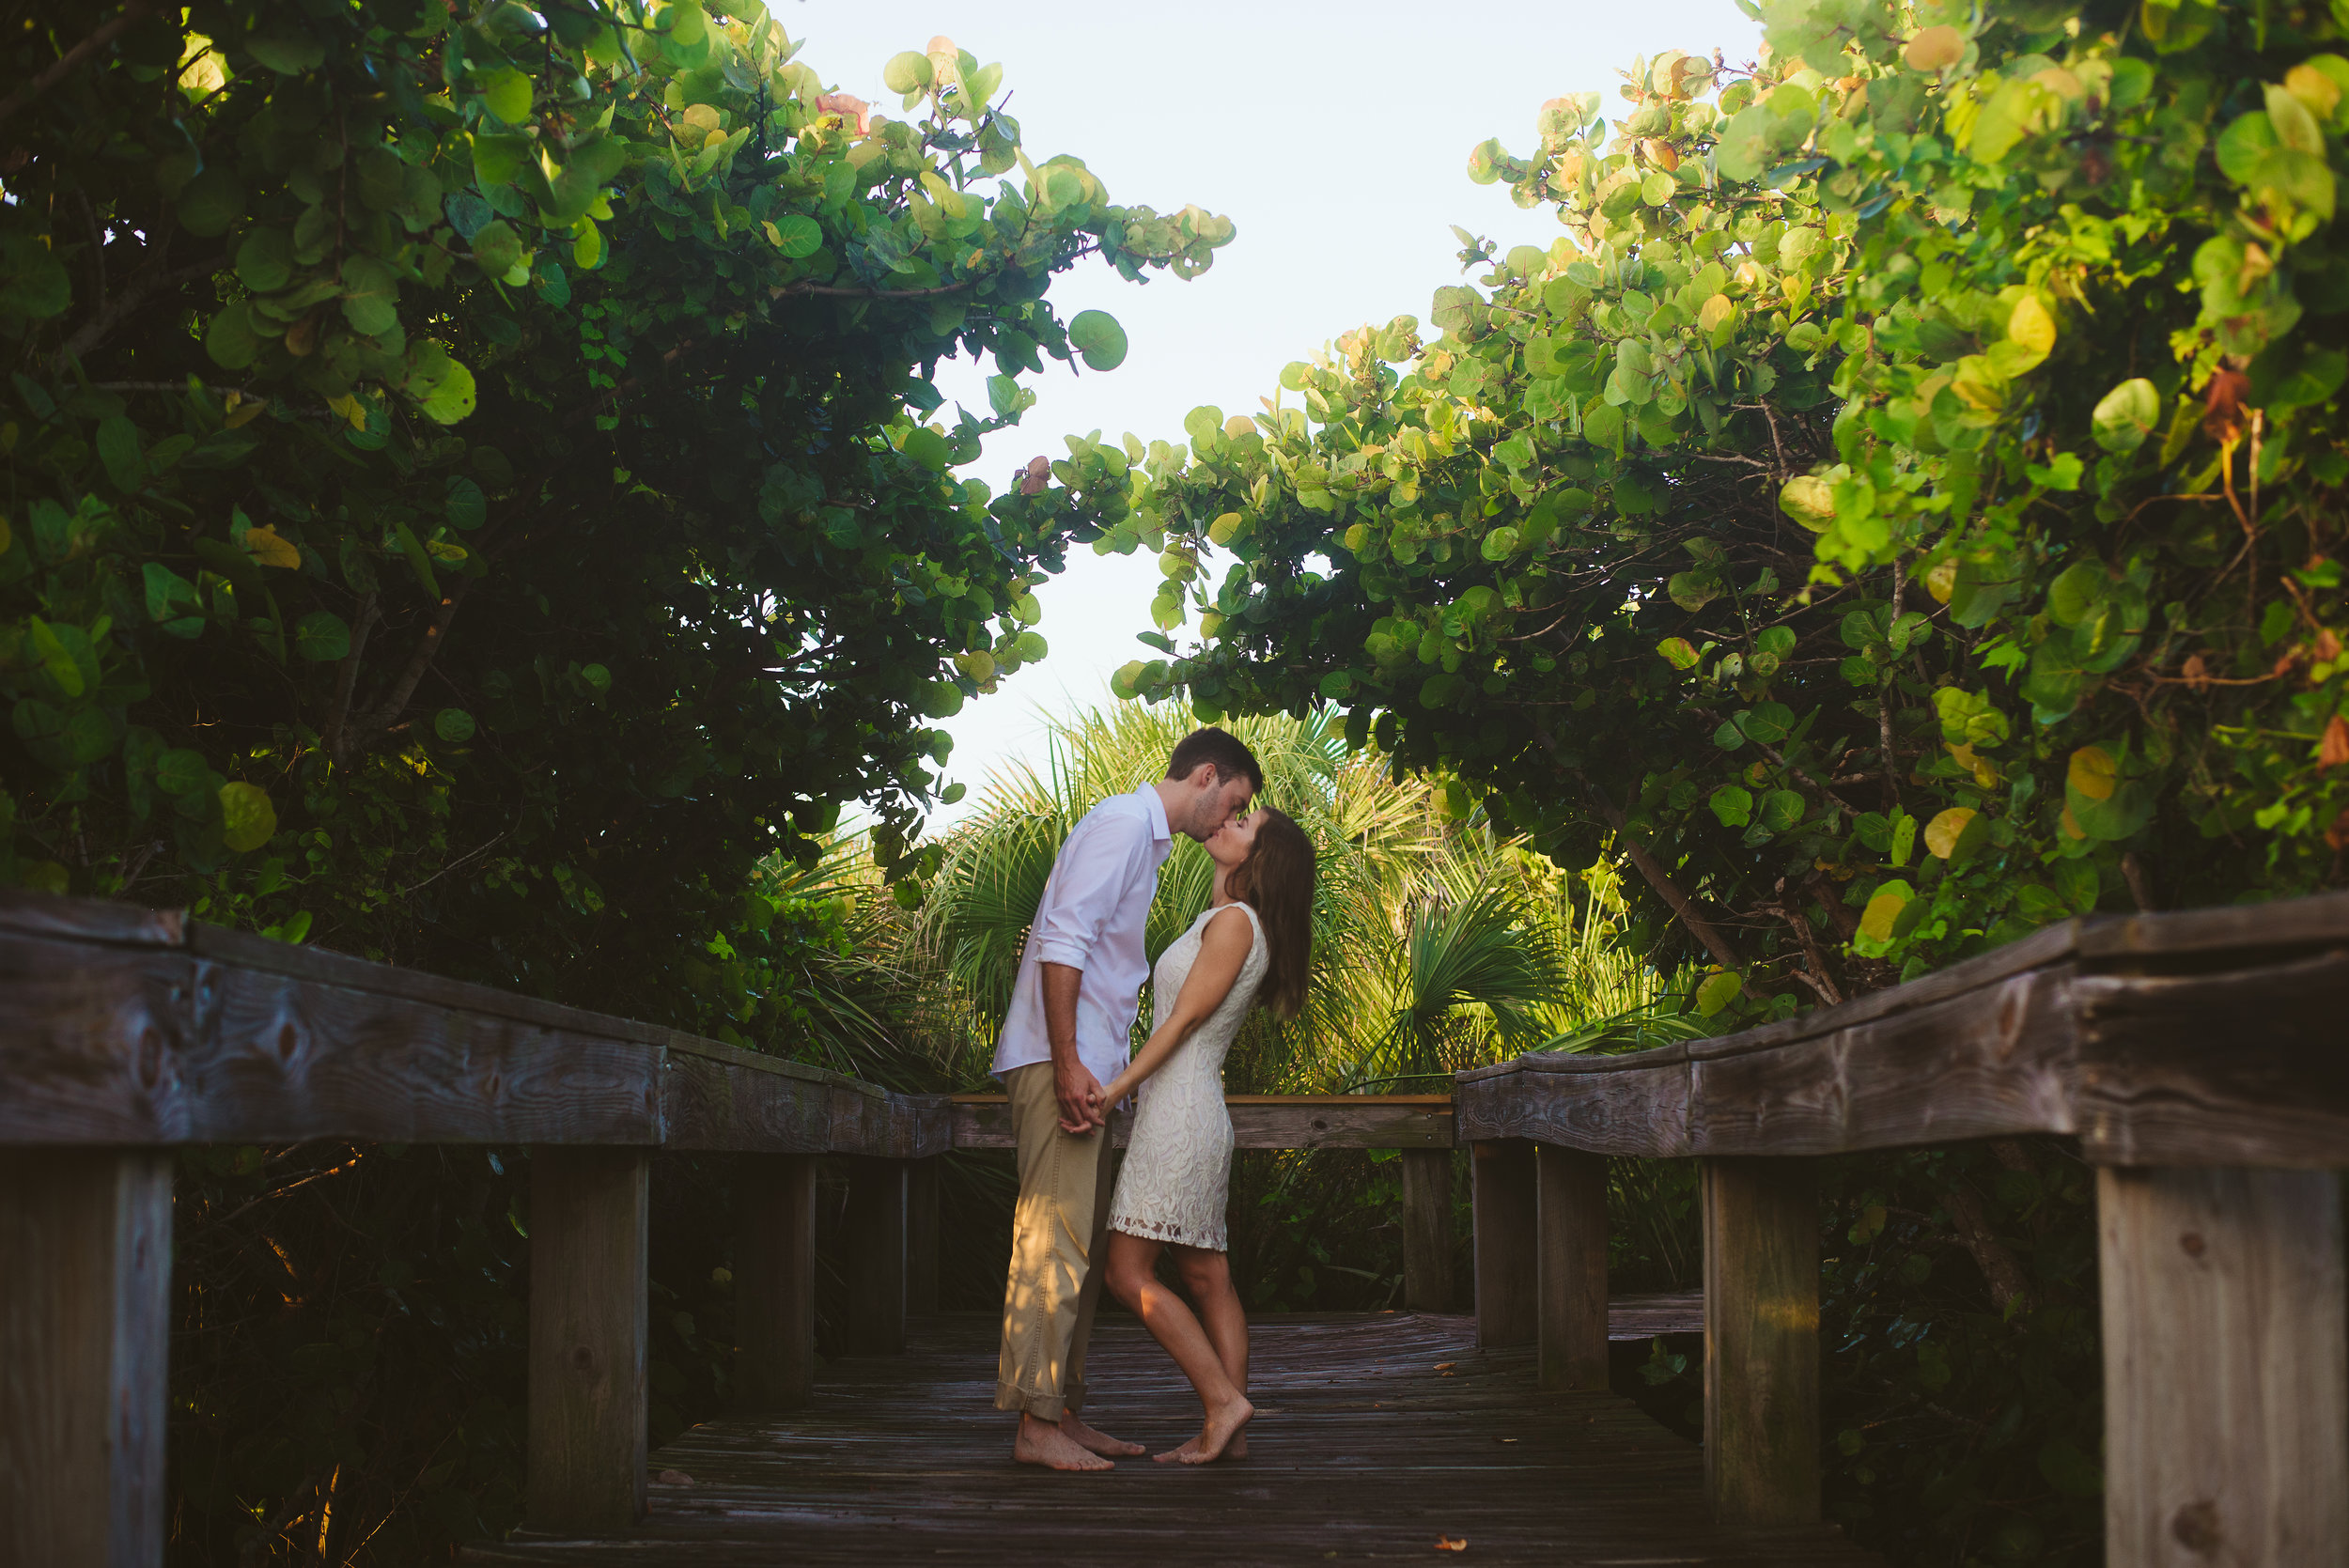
x=1253, y=944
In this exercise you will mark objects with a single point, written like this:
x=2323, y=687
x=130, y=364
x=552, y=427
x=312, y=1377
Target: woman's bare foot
x=1073, y=1426
x=1044, y=1443
x=1225, y=1423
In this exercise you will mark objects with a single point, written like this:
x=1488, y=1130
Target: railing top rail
x=2204, y=1037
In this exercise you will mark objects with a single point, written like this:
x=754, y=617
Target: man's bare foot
x=1044, y=1443
x=1073, y=1426
x=1225, y=1423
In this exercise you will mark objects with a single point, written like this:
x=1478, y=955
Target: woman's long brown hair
x=1277, y=881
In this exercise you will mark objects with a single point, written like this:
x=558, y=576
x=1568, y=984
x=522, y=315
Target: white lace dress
x=1176, y=1180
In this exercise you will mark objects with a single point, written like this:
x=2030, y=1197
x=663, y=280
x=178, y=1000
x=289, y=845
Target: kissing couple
x=1065, y=1062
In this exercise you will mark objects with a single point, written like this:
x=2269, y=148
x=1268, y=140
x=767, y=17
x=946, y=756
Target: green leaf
x=454, y=725
x=321, y=636
x=2127, y=416
x=172, y=601
x=370, y=295
x=1678, y=652
x=1781, y=810
x=248, y=820
x=1098, y=336
x=210, y=202
x=463, y=504
x=495, y=248
x=798, y=236
x=1717, y=991
x=506, y=93
x=34, y=285
x=57, y=661
x=119, y=449
x=907, y=72
x=1733, y=805
x=265, y=260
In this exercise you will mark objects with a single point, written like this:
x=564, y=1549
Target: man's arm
x=1073, y=1084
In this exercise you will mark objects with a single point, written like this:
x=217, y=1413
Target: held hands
x=1105, y=1098
x=1077, y=1090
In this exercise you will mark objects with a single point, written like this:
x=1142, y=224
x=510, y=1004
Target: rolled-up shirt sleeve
x=1098, y=864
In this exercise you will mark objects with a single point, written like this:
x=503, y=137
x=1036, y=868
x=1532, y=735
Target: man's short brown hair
x=1227, y=752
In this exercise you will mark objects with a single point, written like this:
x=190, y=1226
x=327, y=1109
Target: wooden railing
x=126, y=1032
x=2200, y=1059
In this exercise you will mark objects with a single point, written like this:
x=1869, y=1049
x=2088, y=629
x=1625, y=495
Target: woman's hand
x=1107, y=1096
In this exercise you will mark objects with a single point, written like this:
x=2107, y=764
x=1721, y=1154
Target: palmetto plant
x=1437, y=944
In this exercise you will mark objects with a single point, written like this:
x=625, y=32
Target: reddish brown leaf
x=2333, y=750
x=2327, y=646
x=2196, y=674
x=1035, y=477
x=849, y=107
x=1452, y=1543
x=2223, y=404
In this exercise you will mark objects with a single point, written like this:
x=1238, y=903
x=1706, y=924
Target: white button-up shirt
x=1096, y=905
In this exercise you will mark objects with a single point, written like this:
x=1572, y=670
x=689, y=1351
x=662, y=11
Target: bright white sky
x=1336, y=136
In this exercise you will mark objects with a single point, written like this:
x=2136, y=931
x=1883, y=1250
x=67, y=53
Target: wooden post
x=921, y=1235
x=874, y=1237
x=1762, y=1341
x=84, y=1329
x=589, y=1219
x=1570, y=1269
x=775, y=1280
x=1500, y=1171
x=1427, y=1230
x=2226, y=1387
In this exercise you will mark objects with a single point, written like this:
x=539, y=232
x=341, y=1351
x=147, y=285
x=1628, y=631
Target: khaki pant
x=1057, y=1235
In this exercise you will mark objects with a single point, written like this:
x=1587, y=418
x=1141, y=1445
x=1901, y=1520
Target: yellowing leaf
x=2092, y=772
x=1877, y=921
x=1717, y=992
x=1810, y=501
x=2031, y=326
x=1715, y=311
x=247, y=818
x=271, y=548
x=1950, y=831
x=1223, y=530
x=350, y=409
x=1934, y=49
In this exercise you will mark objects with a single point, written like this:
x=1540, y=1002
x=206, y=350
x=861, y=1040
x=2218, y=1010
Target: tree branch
x=1657, y=878
x=105, y=33
x=395, y=702
x=346, y=678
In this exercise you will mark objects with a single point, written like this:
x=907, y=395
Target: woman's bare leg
x=1208, y=1276
x=1133, y=1280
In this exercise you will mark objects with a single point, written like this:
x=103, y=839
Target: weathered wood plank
x=281, y=1058
x=1427, y=1230
x=2226, y=1367
x=872, y=1232
x=1501, y=1192
x=1634, y=1104
x=589, y=1223
x=714, y=1104
x=2244, y=1067
x=85, y=1325
x=1570, y=1268
x=1761, y=1229
x=1376, y=1438
x=1994, y=1061
x=93, y=1043
x=1265, y=1122
x=93, y=920
x=921, y=1235
x=2270, y=929
x=775, y=1280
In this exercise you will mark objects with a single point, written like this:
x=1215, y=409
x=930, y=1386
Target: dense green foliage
x=1901, y=497
x=1902, y=508
x=475, y=497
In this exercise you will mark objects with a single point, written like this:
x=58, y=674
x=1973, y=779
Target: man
x=1069, y=1031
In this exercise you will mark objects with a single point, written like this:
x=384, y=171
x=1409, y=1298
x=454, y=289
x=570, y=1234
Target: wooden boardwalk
x=1378, y=1436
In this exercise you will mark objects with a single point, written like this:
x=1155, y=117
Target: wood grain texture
x=1501, y=1193
x=873, y=1242
x=1570, y=1268
x=2226, y=1367
x=2241, y=1067
x=1994, y=1061
x=94, y=1041
x=589, y=1224
x=1265, y=1122
x=1761, y=1231
x=1635, y=1104
x=279, y=1058
x=1362, y=1452
x=94, y=920
x=84, y=1327
x=2269, y=929
x=709, y=1103
x=775, y=1280
x=1427, y=1230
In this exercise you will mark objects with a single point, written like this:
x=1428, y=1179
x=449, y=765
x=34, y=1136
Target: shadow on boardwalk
x=1376, y=1437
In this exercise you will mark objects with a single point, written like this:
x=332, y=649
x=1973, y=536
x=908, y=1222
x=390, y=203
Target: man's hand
x=1077, y=1091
